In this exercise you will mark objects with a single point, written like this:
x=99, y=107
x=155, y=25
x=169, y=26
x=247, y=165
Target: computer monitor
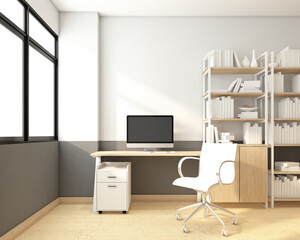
x=150, y=131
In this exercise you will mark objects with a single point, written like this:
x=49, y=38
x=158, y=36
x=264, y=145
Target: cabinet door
x=253, y=174
x=228, y=193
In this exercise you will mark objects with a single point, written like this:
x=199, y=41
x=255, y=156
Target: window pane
x=13, y=10
x=41, y=35
x=41, y=95
x=11, y=84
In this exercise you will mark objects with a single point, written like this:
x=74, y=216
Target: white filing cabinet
x=113, y=186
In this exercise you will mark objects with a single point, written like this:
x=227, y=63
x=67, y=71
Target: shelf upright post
x=266, y=99
x=267, y=103
x=272, y=130
x=209, y=96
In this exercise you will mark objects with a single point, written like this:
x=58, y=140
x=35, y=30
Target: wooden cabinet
x=228, y=193
x=250, y=183
x=253, y=174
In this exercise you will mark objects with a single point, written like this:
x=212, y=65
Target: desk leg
x=97, y=163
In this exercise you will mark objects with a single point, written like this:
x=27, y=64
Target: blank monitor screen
x=150, y=129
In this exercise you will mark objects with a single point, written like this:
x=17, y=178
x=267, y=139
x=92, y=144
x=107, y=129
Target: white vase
x=253, y=61
x=245, y=62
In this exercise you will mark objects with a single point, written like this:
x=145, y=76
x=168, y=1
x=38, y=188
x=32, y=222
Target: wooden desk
x=100, y=154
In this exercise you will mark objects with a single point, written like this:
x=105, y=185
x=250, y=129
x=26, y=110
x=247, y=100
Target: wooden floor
x=156, y=220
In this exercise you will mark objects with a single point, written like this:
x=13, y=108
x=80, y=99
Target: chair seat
x=197, y=183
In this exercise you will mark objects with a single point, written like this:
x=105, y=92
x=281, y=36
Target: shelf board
x=287, y=70
x=286, y=199
x=278, y=172
x=234, y=70
x=287, y=145
x=286, y=94
x=287, y=119
x=235, y=95
x=235, y=120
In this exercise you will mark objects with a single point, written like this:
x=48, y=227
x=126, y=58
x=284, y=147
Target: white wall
x=78, y=76
x=47, y=10
x=152, y=65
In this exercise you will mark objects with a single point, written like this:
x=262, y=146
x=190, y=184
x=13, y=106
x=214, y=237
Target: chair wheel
x=178, y=217
x=124, y=212
x=185, y=229
x=100, y=212
x=234, y=221
x=224, y=232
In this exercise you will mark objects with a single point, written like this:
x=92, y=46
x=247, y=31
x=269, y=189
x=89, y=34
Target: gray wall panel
x=149, y=175
x=77, y=168
x=29, y=176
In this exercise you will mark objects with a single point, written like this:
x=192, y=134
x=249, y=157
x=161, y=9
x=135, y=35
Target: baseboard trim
x=134, y=198
x=16, y=231
x=76, y=200
x=164, y=198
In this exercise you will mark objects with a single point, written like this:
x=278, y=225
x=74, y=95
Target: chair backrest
x=211, y=158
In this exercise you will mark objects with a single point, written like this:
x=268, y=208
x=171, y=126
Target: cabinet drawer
x=118, y=176
x=111, y=196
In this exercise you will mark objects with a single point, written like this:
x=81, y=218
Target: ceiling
x=182, y=7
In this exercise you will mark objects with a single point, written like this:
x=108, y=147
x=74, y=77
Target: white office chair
x=217, y=167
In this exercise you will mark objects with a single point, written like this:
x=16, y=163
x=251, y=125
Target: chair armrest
x=219, y=173
x=181, y=162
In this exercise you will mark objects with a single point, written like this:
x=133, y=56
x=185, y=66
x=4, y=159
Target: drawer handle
x=112, y=185
x=111, y=177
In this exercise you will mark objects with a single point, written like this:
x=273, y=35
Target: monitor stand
x=150, y=150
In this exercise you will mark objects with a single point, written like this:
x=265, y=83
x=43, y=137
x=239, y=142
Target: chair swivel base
x=208, y=207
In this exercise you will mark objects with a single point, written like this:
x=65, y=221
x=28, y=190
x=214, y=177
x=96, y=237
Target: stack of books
x=287, y=166
x=222, y=107
x=285, y=186
x=278, y=82
x=252, y=133
x=244, y=115
x=223, y=58
x=250, y=86
x=289, y=108
x=286, y=133
x=288, y=58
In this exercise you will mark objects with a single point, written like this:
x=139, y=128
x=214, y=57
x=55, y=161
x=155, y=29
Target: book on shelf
x=285, y=186
x=212, y=134
x=278, y=82
x=296, y=83
x=286, y=133
x=237, y=85
x=289, y=108
x=252, y=133
x=237, y=61
x=221, y=107
x=289, y=58
x=221, y=58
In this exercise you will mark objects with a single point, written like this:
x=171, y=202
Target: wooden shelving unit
x=265, y=99
x=272, y=96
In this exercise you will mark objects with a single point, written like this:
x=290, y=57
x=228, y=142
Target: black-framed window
x=28, y=75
